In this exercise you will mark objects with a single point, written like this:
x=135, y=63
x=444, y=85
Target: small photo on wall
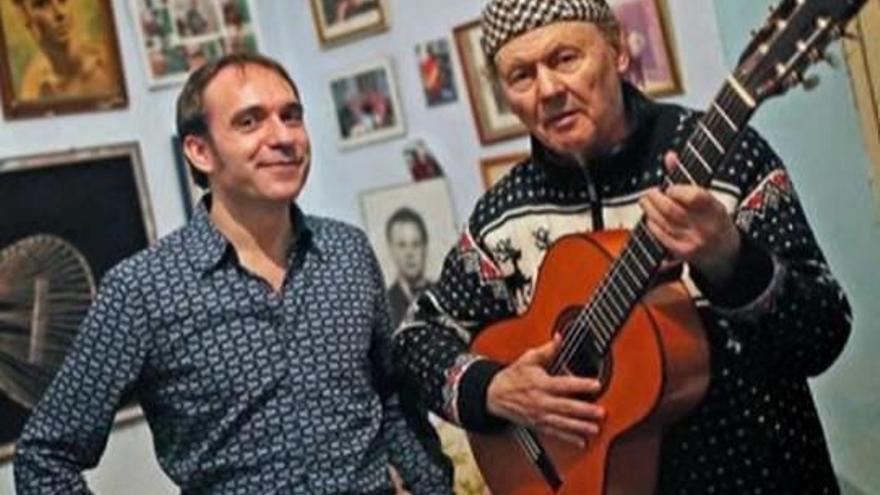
x=435, y=69
x=337, y=21
x=366, y=104
x=178, y=36
x=647, y=35
x=59, y=57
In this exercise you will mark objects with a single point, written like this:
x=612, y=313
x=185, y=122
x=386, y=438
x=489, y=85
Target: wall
x=337, y=177
x=818, y=135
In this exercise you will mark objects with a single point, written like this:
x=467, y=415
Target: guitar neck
x=715, y=135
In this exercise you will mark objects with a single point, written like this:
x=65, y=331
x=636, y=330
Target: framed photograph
x=412, y=227
x=653, y=66
x=190, y=192
x=435, y=69
x=493, y=117
x=53, y=253
x=366, y=104
x=178, y=36
x=493, y=168
x=338, y=21
x=84, y=71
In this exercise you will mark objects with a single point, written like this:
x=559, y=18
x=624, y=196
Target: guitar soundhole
x=585, y=362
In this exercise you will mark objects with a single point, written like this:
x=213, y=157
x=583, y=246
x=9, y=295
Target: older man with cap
x=773, y=313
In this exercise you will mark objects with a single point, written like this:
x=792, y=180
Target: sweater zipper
x=595, y=200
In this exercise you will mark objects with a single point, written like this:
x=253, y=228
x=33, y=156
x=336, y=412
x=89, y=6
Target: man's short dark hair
x=404, y=215
x=191, y=118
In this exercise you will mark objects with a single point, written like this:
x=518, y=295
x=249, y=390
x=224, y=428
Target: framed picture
x=84, y=72
x=494, y=168
x=338, y=21
x=653, y=66
x=189, y=191
x=862, y=53
x=53, y=253
x=493, y=117
x=178, y=36
x=366, y=104
x=412, y=227
x=435, y=69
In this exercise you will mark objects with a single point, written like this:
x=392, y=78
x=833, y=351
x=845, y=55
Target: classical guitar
x=600, y=292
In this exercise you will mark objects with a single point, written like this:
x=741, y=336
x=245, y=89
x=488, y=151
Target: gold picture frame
x=493, y=168
x=493, y=118
x=341, y=21
x=82, y=40
x=648, y=37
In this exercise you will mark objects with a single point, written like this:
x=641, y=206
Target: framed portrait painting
x=653, y=64
x=77, y=214
x=492, y=116
x=177, y=36
x=493, y=168
x=59, y=57
x=366, y=104
x=338, y=21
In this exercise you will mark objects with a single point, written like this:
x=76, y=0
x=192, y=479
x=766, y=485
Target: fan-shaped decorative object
x=46, y=288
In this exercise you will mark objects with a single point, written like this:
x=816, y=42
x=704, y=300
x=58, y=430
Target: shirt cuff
x=752, y=287
x=464, y=393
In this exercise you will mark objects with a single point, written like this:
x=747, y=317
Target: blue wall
x=817, y=133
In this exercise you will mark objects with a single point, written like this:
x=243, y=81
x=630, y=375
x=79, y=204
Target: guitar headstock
x=792, y=39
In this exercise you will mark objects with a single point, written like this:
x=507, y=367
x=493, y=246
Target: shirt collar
x=207, y=246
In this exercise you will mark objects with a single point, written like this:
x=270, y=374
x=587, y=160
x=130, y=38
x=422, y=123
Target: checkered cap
x=503, y=20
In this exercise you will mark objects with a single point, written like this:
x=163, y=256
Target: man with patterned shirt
x=256, y=338
x=773, y=313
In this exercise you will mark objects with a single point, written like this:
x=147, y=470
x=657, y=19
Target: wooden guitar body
x=656, y=370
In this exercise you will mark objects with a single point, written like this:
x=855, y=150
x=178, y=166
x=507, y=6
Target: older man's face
x=563, y=81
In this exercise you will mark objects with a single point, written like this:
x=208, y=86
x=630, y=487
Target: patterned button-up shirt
x=245, y=389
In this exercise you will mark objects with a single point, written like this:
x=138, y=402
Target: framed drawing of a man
x=59, y=56
x=54, y=252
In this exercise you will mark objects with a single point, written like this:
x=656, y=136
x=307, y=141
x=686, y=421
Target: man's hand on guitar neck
x=694, y=226
x=526, y=394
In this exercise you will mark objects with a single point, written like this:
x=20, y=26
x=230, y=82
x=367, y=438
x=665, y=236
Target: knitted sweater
x=781, y=318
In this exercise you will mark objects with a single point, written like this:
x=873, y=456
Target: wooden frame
x=493, y=118
x=336, y=24
x=30, y=83
x=863, y=57
x=493, y=168
x=110, y=223
x=653, y=64
x=366, y=104
x=177, y=36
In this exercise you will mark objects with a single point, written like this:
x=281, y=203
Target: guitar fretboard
x=715, y=135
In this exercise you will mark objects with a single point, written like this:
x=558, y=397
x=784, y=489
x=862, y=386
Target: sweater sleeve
x=788, y=310
x=430, y=348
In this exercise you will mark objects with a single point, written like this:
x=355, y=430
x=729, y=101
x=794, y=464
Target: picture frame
x=648, y=36
x=365, y=101
x=175, y=37
x=492, y=116
x=190, y=192
x=87, y=233
x=493, y=168
x=862, y=52
x=340, y=21
x=436, y=72
x=32, y=86
x=432, y=200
